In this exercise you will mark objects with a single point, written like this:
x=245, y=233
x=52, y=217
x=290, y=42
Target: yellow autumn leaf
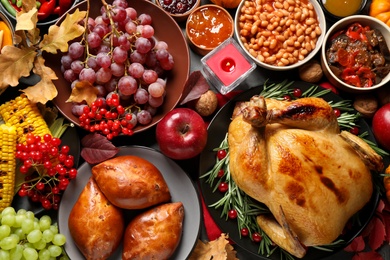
x=218, y=249
x=27, y=5
x=83, y=91
x=14, y=64
x=44, y=90
x=59, y=36
x=26, y=21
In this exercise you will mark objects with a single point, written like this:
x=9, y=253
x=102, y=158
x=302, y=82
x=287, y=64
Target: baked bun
x=155, y=233
x=95, y=225
x=131, y=182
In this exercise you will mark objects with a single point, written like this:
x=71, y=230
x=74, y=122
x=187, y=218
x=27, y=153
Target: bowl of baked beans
x=280, y=34
x=355, y=54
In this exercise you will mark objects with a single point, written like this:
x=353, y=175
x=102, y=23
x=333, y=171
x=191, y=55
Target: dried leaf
x=218, y=249
x=59, y=36
x=97, y=148
x=27, y=5
x=377, y=236
x=26, y=21
x=14, y=64
x=195, y=86
x=357, y=245
x=44, y=90
x=83, y=91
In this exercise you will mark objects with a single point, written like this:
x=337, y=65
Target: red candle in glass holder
x=226, y=66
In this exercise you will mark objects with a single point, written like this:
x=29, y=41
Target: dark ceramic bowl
x=166, y=29
x=180, y=17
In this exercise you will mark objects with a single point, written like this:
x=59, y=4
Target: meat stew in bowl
x=358, y=55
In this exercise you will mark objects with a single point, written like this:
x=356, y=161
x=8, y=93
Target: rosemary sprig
x=246, y=208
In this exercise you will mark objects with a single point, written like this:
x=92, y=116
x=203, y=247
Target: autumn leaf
x=83, y=91
x=97, y=148
x=44, y=90
x=59, y=36
x=27, y=5
x=195, y=86
x=26, y=21
x=218, y=249
x=14, y=64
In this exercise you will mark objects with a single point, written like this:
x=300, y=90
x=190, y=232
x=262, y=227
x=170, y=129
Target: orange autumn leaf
x=83, y=91
x=219, y=249
x=44, y=90
x=14, y=64
x=59, y=36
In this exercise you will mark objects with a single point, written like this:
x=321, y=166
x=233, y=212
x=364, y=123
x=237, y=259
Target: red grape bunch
x=119, y=55
x=48, y=168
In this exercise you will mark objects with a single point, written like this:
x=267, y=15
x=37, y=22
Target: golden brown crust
x=154, y=234
x=95, y=225
x=131, y=182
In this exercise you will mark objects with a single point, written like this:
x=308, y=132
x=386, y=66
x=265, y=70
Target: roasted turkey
x=291, y=156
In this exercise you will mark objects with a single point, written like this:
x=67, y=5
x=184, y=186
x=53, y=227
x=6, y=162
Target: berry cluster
x=108, y=117
x=48, y=168
x=120, y=54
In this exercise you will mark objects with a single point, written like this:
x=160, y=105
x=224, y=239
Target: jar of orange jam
x=208, y=26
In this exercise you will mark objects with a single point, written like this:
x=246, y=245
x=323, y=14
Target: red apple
x=381, y=126
x=181, y=134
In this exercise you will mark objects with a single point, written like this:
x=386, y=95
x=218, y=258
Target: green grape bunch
x=27, y=237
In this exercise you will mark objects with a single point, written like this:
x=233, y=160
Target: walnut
x=366, y=105
x=311, y=71
x=207, y=103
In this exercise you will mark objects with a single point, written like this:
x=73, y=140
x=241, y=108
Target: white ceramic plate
x=181, y=186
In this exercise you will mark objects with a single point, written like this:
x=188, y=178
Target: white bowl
x=364, y=20
x=322, y=24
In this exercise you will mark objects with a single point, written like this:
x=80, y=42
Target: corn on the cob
x=25, y=116
x=8, y=138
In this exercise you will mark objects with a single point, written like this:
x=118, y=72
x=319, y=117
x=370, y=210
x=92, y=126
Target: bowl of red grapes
x=178, y=9
x=135, y=57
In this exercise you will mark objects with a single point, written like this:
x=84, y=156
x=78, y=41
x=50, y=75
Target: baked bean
x=270, y=59
x=318, y=30
x=266, y=33
x=285, y=61
x=310, y=21
x=280, y=38
x=272, y=44
x=278, y=5
x=287, y=27
x=254, y=28
x=260, y=57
